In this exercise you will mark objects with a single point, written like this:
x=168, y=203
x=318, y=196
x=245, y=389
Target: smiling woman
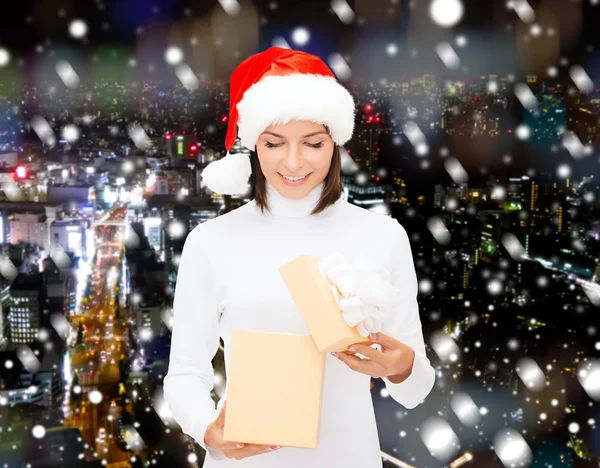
x=295, y=116
x=297, y=148
x=290, y=94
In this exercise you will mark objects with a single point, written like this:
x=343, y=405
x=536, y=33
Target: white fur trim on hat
x=228, y=175
x=278, y=99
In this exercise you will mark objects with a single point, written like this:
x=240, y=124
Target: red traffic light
x=193, y=148
x=22, y=172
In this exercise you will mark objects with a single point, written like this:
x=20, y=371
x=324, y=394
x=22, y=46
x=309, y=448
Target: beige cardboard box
x=315, y=301
x=274, y=389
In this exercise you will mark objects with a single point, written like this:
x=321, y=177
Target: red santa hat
x=274, y=87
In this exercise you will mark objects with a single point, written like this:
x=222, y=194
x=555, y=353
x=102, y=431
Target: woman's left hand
x=394, y=361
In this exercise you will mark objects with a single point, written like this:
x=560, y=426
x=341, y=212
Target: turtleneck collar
x=281, y=207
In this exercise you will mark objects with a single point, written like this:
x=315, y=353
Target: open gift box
x=274, y=389
x=340, y=303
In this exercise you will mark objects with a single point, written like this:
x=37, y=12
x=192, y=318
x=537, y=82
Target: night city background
x=477, y=128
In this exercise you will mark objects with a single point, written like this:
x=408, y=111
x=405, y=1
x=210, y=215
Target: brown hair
x=332, y=190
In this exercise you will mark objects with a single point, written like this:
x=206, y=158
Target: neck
x=284, y=208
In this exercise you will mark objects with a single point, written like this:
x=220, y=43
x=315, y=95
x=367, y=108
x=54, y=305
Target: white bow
x=365, y=295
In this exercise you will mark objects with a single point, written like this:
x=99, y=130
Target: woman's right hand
x=214, y=438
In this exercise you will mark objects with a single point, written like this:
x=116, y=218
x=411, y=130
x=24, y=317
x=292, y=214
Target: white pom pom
x=362, y=330
x=228, y=175
x=347, y=284
x=353, y=316
x=369, y=323
x=373, y=311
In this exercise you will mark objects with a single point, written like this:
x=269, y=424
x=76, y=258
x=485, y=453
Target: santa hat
x=276, y=86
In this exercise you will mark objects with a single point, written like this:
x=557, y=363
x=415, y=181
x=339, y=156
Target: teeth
x=293, y=178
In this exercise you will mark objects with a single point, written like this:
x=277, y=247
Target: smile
x=295, y=180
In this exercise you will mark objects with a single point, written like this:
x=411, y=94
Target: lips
x=295, y=182
x=293, y=175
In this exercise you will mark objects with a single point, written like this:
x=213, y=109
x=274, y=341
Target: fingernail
x=335, y=354
x=351, y=348
x=373, y=336
x=240, y=445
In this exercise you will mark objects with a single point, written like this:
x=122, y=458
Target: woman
x=290, y=109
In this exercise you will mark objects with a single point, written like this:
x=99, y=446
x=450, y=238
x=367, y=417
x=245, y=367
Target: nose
x=293, y=159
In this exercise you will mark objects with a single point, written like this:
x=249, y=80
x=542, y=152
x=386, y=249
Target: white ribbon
x=364, y=295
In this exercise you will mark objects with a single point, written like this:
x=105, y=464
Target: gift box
x=340, y=303
x=274, y=389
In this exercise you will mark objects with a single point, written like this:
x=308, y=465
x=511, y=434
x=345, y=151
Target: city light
x=22, y=172
x=468, y=181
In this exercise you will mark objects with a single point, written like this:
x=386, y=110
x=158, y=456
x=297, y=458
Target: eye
x=273, y=145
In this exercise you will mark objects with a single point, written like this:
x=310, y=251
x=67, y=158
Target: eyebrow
x=305, y=136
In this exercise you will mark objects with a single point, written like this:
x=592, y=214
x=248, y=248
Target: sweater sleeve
x=405, y=324
x=194, y=342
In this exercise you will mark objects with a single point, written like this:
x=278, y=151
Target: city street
x=96, y=358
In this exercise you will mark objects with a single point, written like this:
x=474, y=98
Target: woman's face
x=297, y=148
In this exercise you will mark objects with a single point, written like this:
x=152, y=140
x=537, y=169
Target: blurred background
x=476, y=127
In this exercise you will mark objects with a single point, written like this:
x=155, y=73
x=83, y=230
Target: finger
x=258, y=448
x=360, y=365
x=372, y=354
x=250, y=450
x=233, y=446
x=384, y=340
x=230, y=446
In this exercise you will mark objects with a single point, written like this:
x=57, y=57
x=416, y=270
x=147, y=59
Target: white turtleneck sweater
x=228, y=279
